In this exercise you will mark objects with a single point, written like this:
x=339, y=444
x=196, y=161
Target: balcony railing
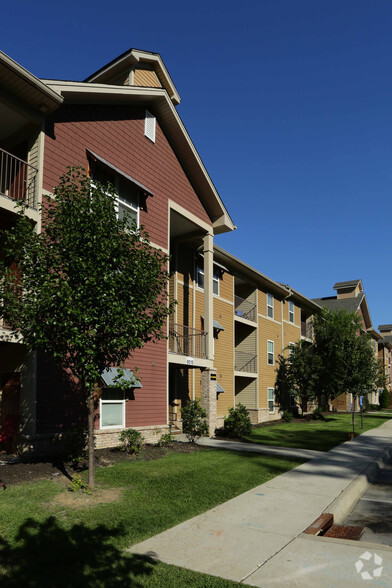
x=306, y=330
x=245, y=362
x=245, y=309
x=185, y=340
x=18, y=179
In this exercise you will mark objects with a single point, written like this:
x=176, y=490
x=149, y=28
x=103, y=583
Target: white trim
x=273, y=352
x=273, y=400
x=269, y=319
x=270, y=306
x=291, y=303
x=108, y=427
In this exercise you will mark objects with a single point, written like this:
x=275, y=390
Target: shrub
x=131, y=441
x=385, y=398
x=166, y=440
x=317, y=414
x=194, y=422
x=287, y=416
x=77, y=485
x=237, y=423
x=374, y=407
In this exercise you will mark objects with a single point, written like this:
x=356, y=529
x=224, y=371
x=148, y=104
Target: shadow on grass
x=46, y=555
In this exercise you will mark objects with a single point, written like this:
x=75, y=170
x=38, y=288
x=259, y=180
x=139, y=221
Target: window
x=291, y=348
x=128, y=194
x=149, y=126
x=270, y=352
x=200, y=278
x=112, y=409
x=271, y=400
x=291, y=311
x=270, y=305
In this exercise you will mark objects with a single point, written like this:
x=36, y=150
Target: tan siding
x=291, y=334
x=245, y=389
x=185, y=264
x=224, y=355
x=262, y=299
x=199, y=309
x=146, y=78
x=226, y=287
x=268, y=330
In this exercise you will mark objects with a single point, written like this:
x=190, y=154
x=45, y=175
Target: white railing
x=18, y=179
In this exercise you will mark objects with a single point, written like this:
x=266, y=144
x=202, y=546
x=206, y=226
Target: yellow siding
x=184, y=309
x=226, y=288
x=297, y=313
x=291, y=334
x=199, y=309
x=245, y=389
x=262, y=300
x=146, y=78
x=185, y=264
x=224, y=355
x=268, y=330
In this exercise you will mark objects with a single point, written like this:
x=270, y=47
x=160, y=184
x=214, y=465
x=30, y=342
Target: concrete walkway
x=257, y=538
x=255, y=448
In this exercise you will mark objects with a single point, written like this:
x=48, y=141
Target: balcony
x=306, y=331
x=245, y=309
x=18, y=179
x=245, y=362
x=187, y=341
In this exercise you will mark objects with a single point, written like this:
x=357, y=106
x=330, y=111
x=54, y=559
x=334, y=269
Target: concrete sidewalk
x=257, y=538
x=256, y=448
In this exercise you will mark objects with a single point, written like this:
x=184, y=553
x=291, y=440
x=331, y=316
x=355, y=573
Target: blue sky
x=288, y=103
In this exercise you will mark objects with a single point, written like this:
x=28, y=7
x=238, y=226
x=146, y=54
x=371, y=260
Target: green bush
x=131, y=441
x=194, y=422
x=374, y=407
x=166, y=440
x=317, y=414
x=385, y=398
x=287, y=416
x=237, y=423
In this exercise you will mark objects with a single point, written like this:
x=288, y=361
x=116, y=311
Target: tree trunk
x=91, y=464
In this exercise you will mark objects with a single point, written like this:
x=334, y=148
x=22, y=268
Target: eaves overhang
x=26, y=87
x=238, y=266
x=159, y=103
x=303, y=301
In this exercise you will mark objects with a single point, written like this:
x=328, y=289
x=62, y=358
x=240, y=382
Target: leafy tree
x=346, y=358
x=283, y=386
x=194, y=423
x=93, y=289
x=303, y=369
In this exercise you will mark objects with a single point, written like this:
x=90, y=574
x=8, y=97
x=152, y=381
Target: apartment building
x=254, y=320
x=120, y=124
x=350, y=297
x=385, y=353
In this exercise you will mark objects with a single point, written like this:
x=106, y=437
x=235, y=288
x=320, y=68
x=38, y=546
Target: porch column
x=208, y=397
x=208, y=251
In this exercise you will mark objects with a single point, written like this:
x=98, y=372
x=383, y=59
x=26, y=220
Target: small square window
x=270, y=306
x=271, y=400
x=270, y=353
x=112, y=409
x=291, y=311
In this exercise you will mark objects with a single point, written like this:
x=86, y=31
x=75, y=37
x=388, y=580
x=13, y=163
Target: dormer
x=350, y=289
x=139, y=69
x=385, y=330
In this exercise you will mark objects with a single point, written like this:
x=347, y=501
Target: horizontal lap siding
x=117, y=135
x=268, y=330
x=224, y=355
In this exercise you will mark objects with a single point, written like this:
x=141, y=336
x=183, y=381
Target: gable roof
x=346, y=304
x=127, y=60
x=349, y=284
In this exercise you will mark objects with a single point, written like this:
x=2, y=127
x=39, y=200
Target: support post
x=208, y=251
x=208, y=397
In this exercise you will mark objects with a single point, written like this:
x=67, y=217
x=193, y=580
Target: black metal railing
x=185, y=340
x=245, y=362
x=18, y=179
x=245, y=309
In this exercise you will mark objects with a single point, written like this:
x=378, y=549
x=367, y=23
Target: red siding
x=117, y=135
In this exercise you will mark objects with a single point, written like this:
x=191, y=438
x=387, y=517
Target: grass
x=318, y=435
x=43, y=543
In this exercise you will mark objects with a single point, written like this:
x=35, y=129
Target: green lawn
x=46, y=544
x=319, y=435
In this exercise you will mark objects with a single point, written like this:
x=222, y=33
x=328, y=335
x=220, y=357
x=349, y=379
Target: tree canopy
x=89, y=289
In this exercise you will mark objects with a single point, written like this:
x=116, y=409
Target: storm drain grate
x=344, y=532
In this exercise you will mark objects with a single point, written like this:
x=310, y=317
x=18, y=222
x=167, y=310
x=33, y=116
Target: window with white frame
x=291, y=311
x=271, y=400
x=270, y=306
x=150, y=126
x=270, y=352
x=291, y=348
x=200, y=278
x=127, y=203
x=112, y=409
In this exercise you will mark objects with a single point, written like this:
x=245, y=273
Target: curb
x=343, y=504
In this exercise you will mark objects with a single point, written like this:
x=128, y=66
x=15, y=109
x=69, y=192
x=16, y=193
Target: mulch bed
x=15, y=470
